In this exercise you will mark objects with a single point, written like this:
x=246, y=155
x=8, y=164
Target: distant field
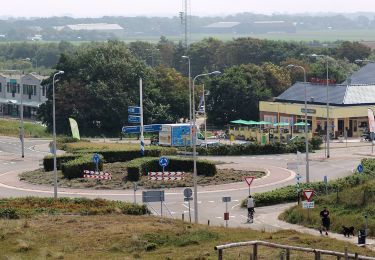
x=10, y=127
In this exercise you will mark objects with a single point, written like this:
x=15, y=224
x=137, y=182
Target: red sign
x=308, y=194
x=226, y=215
x=249, y=179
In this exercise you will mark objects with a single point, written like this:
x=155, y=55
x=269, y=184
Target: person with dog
x=326, y=222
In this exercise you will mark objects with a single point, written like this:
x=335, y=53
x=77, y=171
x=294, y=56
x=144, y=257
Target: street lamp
x=190, y=119
x=306, y=128
x=195, y=146
x=328, y=127
x=54, y=132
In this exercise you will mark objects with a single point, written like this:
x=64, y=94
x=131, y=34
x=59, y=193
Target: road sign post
x=135, y=187
x=325, y=180
x=96, y=160
x=309, y=204
x=188, y=193
x=298, y=177
x=163, y=162
x=226, y=214
x=249, y=180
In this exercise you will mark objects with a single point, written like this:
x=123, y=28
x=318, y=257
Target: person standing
x=326, y=222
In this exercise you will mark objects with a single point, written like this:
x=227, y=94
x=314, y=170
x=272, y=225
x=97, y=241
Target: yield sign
x=249, y=179
x=308, y=194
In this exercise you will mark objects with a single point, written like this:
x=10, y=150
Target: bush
x=252, y=149
x=316, y=142
x=142, y=166
x=74, y=168
x=60, y=159
x=62, y=141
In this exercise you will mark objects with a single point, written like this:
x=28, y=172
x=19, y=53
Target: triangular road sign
x=249, y=179
x=308, y=194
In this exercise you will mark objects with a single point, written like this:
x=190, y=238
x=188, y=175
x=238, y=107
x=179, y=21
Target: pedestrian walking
x=326, y=222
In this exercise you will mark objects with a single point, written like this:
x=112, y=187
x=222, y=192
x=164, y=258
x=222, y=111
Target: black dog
x=348, y=231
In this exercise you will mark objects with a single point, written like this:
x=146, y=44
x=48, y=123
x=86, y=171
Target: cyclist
x=250, y=209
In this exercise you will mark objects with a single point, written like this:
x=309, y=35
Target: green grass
x=118, y=236
x=10, y=127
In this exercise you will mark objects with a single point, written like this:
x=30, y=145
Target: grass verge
x=10, y=127
x=142, y=237
x=118, y=172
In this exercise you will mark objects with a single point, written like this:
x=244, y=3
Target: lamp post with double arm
x=306, y=123
x=195, y=145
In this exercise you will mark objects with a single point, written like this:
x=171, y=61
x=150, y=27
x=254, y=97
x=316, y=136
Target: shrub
x=74, y=168
x=142, y=166
x=60, y=159
x=9, y=213
x=252, y=149
x=316, y=142
x=62, y=141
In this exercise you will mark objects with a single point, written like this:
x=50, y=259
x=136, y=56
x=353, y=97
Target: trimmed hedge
x=142, y=166
x=60, y=159
x=257, y=149
x=74, y=168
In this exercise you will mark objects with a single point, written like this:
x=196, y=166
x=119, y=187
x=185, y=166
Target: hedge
x=60, y=159
x=111, y=156
x=142, y=166
x=74, y=168
x=256, y=149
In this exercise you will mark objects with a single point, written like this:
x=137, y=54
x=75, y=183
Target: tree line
x=102, y=79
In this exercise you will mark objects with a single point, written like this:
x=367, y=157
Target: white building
x=16, y=88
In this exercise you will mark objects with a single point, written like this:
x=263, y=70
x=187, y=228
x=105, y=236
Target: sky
x=98, y=8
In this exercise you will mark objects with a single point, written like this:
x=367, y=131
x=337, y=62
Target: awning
x=26, y=103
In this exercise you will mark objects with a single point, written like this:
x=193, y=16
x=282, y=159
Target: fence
x=317, y=252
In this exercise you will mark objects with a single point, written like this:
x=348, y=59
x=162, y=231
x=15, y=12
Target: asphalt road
x=211, y=208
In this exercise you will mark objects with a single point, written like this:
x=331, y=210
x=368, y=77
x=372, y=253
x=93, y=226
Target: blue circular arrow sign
x=163, y=161
x=96, y=158
x=360, y=168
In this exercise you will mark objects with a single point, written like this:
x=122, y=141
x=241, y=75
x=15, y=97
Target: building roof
x=222, y=25
x=91, y=27
x=366, y=75
x=338, y=94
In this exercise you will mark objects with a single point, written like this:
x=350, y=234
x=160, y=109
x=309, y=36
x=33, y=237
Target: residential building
x=18, y=88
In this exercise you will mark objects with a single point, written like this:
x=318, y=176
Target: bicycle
x=250, y=216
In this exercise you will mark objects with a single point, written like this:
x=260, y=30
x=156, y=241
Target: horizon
x=171, y=8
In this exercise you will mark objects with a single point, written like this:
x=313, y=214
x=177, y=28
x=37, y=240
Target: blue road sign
x=134, y=119
x=134, y=110
x=360, y=168
x=131, y=129
x=96, y=158
x=152, y=128
x=163, y=162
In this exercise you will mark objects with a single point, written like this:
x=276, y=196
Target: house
x=17, y=89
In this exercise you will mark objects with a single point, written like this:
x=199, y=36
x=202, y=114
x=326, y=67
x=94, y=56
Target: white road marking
x=211, y=201
x=219, y=217
x=12, y=162
x=235, y=200
x=235, y=205
x=232, y=216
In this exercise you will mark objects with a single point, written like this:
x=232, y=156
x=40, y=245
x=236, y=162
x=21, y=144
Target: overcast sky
x=97, y=8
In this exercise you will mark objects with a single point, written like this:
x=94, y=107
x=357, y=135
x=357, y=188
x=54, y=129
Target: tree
x=236, y=94
x=352, y=51
x=277, y=78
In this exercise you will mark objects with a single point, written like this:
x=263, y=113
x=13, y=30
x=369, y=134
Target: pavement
x=344, y=159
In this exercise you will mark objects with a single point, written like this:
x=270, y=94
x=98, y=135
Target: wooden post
x=183, y=217
x=208, y=222
x=338, y=257
x=255, y=252
x=287, y=254
x=346, y=253
x=220, y=254
x=282, y=255
x=317, y=255
x=355, y=256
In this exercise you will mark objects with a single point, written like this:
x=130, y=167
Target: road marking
x=235, y=200
x=5, y=163
x=243, y=157
x=219, y=217
x=236, y=205
x=12, y=162
x=232, y=216
x=211, y=201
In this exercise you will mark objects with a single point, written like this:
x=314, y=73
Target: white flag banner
x=371, y=121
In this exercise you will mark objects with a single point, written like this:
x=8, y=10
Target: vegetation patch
x=15, y=208
x=10, y=127
x=142, y=237
x=349, y=203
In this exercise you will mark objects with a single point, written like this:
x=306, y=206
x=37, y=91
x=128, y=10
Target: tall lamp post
x=54, y=133
x=327, y=83
x=306, y=128
x=190, y=116
x=195, y=146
